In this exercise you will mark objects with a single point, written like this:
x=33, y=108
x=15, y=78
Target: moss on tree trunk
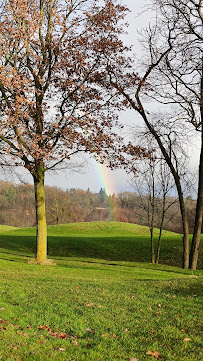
x=41, y=227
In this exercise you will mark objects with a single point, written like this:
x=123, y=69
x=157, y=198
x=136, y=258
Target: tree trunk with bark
x=161, y=229
x=152, y=219
x=41, y=228
x=194, y=251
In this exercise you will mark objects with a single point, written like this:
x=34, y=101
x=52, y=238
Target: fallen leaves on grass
x=2, y=321
x=159, y=312
x=153, y=354
x=134, y=359
x=25, y=335
x=44, y=327
x=61, y=335
x=113, y=335
x=90, y=330
x=75, y=343
x=187, y=339
x=87, y=304
x=62, y=349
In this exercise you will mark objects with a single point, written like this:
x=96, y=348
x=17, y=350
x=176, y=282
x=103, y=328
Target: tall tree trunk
x=152, y=244
x=184, y=222
x=41, y=228
x=161, y=228
x=152, y=219
x=198, y=215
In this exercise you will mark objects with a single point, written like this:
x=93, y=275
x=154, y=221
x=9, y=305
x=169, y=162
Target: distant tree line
x=17, y=207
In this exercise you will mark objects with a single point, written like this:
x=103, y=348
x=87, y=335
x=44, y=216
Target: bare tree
x=145, y=187
x=153, y=184
x=172, y=78
x=166, y=186
x=181, y=76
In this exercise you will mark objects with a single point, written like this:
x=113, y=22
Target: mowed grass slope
x=112, y=241
x=102, y=301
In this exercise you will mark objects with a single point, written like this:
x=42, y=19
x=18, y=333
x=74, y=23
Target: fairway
x=102, y=301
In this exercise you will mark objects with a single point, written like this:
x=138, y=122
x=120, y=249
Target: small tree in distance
x=153, y=186
x=52, y=54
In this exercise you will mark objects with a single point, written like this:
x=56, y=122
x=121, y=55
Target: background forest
x=17, y=207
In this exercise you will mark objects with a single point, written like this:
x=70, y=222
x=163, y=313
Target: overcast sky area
x=92, y=175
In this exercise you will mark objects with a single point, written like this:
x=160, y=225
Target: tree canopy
x=53, y=55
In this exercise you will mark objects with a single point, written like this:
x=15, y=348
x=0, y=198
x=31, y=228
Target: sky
x=92, y=175
x=95, y=176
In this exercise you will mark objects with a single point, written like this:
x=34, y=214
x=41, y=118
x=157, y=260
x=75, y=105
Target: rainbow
x=106, y=182
x=104, y=178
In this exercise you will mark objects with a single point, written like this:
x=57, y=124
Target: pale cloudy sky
x=92, y=175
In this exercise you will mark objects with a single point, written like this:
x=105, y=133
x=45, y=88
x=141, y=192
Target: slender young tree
x=166, y=185
x=52, y=54
x=153, y=185
x=145, y=187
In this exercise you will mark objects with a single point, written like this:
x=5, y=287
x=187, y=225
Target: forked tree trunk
x=198, y=215
x=184, y=224
x=41, y=228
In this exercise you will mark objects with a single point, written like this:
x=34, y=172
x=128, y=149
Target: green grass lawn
x=102, y=301
x=112, y=241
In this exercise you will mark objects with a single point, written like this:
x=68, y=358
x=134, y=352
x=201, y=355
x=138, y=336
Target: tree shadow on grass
x=110, y=249
x=190, y=288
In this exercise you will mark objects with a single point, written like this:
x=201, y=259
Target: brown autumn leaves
x=54, y=100
x=65, y=74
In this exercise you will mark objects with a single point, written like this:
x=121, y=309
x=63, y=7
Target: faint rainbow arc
x=106, y=182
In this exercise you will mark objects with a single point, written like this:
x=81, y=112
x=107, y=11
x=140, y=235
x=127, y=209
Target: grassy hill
x=102, y=301
x=111, y=241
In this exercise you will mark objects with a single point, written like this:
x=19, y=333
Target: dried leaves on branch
x=53, y=104
x=52, y=55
